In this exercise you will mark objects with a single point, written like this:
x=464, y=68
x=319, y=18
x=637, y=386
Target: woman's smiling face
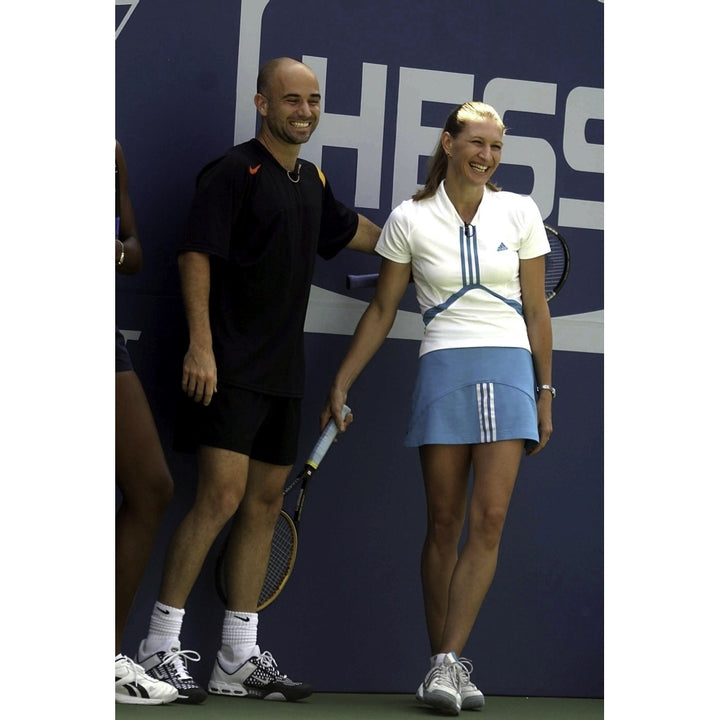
x=474, y=155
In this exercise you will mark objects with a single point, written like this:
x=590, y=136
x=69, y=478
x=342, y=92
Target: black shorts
x=263, y=427
x=123, y=362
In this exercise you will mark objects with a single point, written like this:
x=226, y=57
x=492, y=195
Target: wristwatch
x=546, y=387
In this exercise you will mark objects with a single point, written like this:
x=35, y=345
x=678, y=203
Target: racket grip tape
x=325, y=441
x=360, y=281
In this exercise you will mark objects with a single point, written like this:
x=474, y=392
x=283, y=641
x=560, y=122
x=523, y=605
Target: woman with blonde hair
x=483, y=392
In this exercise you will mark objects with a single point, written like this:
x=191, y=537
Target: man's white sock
x=239, y=638
x=164, y=631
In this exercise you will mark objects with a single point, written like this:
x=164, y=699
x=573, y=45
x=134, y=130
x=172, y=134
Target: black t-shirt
x=262, y=232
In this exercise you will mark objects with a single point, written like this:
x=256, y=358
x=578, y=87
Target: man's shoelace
x=267, y=662
x=176, y=660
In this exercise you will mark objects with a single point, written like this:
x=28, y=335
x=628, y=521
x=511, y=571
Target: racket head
x=557, y=263
x=283, y=549
x=283, y=552
x=282, y=560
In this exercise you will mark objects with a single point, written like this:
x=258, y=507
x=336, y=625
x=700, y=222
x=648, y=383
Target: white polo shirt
x=467, y=278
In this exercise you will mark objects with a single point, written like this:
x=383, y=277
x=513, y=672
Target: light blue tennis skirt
x=473, y=395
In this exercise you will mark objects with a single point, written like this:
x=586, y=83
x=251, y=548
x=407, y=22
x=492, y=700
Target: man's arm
x=199, y=380
x=366, y=236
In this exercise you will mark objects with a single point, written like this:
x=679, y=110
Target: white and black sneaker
x=257, y=678
x=170, y=667
x=134, y=687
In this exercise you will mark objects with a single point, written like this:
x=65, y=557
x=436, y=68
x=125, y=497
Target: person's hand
x=199, y=380
x=333, y=408
x=545, y=428
x=119, y=252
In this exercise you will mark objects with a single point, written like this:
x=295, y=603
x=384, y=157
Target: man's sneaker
x=257, y=678
x=441, y=687
x=472, y=698
x=170, y=667
x=134, y=687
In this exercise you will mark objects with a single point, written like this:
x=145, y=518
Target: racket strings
x=282, y=557
x=555, y=264
x=283, y=548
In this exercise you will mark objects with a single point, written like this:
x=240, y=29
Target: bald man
x=260, y=217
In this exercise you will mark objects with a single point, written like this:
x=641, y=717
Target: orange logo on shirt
x=253, y=170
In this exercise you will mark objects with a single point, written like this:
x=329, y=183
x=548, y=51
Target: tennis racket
x=557, y=263
x=285, y=537
x=557, y=267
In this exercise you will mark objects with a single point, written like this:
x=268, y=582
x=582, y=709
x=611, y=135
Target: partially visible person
x=259, y=218
x=483, y=392
x=141, y=472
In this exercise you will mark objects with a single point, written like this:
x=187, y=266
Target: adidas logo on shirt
x=501, y=246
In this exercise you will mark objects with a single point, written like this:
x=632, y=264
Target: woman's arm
x=128, y=251
x=370, y=333
x=539, y=327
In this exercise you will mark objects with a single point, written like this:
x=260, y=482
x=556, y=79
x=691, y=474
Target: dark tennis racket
x=285, y=537
x=557, y=263
x=557, y=267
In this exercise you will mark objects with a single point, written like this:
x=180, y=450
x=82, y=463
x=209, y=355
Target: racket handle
x=360, y=281
x=325, y=441
x=368, y=280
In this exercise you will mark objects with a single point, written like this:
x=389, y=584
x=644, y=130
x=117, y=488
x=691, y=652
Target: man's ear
x=261, y=103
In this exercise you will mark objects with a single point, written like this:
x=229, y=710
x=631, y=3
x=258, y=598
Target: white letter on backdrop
x=363, y=131
x=583, y=104
x=412, y=139
x=527, y=96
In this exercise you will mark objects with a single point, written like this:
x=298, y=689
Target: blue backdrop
x=351, y=617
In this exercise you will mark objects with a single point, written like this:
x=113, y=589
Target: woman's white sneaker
x=472, y=698
x=441, y=687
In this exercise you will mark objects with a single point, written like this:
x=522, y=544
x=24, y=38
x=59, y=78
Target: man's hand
x=199, y=380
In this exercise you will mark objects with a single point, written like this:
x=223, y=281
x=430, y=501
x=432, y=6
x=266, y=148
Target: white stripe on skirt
x=485, y=393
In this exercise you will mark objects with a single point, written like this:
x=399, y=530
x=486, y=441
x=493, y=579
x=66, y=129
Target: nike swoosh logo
x=253, y=170
x=164, y=612
x=240, y=617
